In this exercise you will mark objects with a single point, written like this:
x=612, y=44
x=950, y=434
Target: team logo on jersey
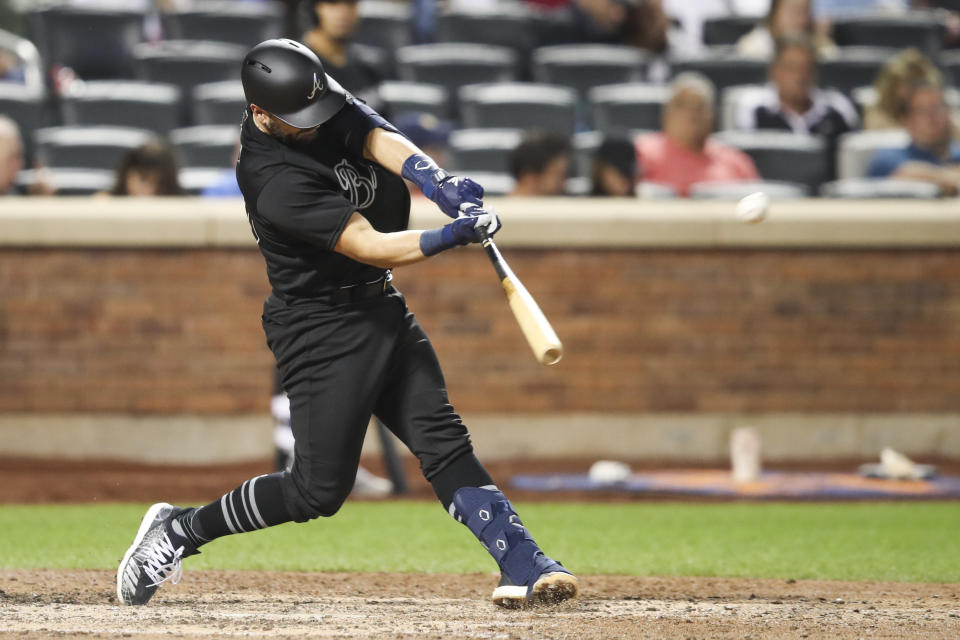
x=361, y=189
x=317, y=86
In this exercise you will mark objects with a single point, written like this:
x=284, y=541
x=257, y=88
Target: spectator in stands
x=786, y=18
x=350, y=64
x=894, y=86
x=540, y=164
x=11, y=155
x=690, y=16
x=590, y=21
x=149, y=170
x=684, y=154
x=932, y=155
x=792, y=101
x=614, y=171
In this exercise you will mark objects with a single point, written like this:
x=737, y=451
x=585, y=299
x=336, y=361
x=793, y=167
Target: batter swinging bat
x=547, y=348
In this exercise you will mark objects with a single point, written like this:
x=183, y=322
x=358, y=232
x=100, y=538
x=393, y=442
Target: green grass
x=911, y=542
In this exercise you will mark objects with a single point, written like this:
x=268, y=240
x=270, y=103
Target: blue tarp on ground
x=772, y=484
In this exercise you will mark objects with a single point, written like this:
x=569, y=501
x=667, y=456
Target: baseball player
x=318, y=171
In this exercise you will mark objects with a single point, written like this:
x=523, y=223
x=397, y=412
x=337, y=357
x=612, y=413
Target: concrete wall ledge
x=573, y=222
x=185, y=439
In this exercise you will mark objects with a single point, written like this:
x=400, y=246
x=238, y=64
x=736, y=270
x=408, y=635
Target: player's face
x=282, y=131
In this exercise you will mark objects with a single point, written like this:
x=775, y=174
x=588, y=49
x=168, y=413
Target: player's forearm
x=389, y=149
x=361, y=242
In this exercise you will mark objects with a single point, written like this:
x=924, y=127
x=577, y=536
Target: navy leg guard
x=523, y=566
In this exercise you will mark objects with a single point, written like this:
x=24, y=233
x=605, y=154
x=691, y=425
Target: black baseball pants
x=339, y=365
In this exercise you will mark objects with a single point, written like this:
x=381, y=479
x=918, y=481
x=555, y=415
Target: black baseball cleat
x=553, y=584
x=153, y=558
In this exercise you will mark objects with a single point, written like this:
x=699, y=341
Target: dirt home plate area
x=216, y=604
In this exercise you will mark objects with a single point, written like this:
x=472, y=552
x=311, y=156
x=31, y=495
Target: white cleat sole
x=549, y=589
x=148, y=519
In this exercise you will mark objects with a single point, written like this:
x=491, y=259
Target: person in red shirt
x=683, y=153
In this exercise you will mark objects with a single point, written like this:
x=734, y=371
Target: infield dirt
x=215, y=604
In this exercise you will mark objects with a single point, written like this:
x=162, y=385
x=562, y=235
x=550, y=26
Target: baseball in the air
x=753, y=208
x=609, y=472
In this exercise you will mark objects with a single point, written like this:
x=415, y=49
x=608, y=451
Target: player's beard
x=301, y=137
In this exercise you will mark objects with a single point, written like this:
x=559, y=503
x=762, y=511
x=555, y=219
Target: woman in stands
x=894, y=85
x=149, y=170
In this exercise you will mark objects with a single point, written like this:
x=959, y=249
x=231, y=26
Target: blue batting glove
x=463, y=230
x=453, y=194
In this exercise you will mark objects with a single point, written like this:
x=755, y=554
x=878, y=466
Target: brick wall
x=715, y=330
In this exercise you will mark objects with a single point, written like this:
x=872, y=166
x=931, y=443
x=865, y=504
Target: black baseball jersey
x=299, y=198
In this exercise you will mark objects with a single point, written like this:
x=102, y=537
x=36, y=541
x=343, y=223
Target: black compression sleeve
x=354, y=121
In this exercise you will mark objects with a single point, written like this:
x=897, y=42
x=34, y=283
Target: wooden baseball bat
x=541, y=337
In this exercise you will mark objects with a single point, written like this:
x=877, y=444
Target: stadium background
x=122, y=321
x=133, y=366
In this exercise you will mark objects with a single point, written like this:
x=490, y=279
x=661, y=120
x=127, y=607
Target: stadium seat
x=775, y=190
x=122, y=103
x=455, y=65
x=494, y=184
x=783, y=156
x=730, y=99
x=414, y=97
x=866, y=189
x=656, y=191
x=386, y=25
x=87, y=147
x=950, y=63
x=377, y=58
x=27, y=58
x=483, y=150
x=585, y=145
x=243, y=23
x=188, y=63
x=619, y=108
x=209, y=146
x=853, y=67
x=585, y=66
x=25, y=107
x=727, y=30
x=724, y=70
x=508, y=25
x=219, y=103
x=520, y=106
x=194, y=180
x=919, y=29
x=64, y=35
x=70, y=182
x=855, y=149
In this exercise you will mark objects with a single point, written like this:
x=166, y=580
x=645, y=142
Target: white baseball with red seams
x=753, y=208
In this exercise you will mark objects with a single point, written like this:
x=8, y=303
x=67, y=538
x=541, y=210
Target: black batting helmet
x=286, y=79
